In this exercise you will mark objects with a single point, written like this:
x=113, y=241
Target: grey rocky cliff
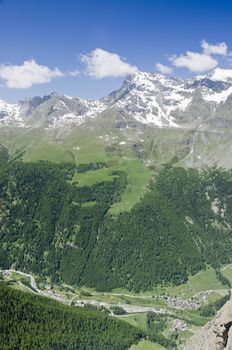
x=216, y=334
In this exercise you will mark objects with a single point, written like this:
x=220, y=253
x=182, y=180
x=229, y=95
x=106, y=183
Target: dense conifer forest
x=53, y=227
x=32, y=322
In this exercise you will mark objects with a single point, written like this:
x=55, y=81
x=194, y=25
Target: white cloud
x=163, y=69
x=201, y=61
x=26, y=75
x=101, y=64
x=214, y=49
x=194, y=61
x=74, y=73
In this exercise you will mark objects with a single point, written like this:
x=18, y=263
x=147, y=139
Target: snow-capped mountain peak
x=219, y=74
x=148, y=98
x=9, y=112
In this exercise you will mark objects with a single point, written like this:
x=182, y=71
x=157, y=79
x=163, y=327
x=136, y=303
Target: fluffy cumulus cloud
x=214, y=49
x=26, y=75
x=101, y=64
x=194, y=61
x=163, y=69
x=203, y=60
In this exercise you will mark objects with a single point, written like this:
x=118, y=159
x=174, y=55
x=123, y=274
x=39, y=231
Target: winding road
x=129, y=308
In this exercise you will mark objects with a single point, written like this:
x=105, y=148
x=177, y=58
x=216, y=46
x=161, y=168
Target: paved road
x=129, y=308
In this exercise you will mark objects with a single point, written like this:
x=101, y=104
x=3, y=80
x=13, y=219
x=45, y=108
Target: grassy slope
x=83, y=146
x=128, y=149
x=97, y=142
x=203, y=280
x=139, y=321
x=36, y=144
x=227, y=272
x=138, y=176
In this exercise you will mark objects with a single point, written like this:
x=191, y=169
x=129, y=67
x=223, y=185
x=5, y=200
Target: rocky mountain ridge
x=147, y=98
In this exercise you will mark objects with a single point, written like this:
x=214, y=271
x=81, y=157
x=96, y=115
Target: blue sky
x=38, y=36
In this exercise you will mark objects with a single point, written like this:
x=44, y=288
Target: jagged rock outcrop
x=216, y=334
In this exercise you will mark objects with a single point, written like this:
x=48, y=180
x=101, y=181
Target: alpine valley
x=121, y=205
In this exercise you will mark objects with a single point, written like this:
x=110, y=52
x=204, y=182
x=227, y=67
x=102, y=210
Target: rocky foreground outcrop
x=216, y=334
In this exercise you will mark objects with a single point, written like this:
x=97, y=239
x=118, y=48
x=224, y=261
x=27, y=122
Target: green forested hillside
x=52, y=226
x=181, y=225
x=35, y=323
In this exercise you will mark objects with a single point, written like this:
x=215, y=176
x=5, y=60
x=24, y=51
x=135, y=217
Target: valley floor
x=179, y=305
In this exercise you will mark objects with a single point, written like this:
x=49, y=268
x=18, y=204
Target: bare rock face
x=216, y=334
x=229, y=342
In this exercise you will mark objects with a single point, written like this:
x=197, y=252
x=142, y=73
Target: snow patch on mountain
x=151, y=98
x=220, y=74
x=219, y=97
x=148, y=98
x=10, y=112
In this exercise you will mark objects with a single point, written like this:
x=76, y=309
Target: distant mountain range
x=152, y=118
x=146, y=98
